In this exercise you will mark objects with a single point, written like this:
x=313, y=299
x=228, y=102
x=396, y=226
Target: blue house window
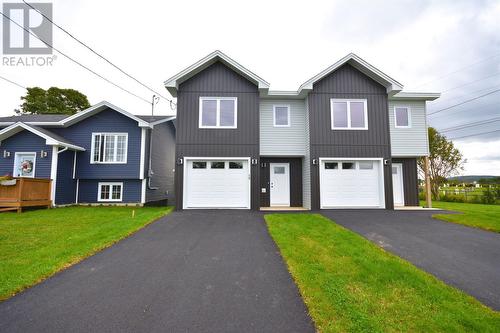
x=109, y=148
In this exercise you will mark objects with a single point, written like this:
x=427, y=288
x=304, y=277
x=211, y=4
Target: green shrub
x=488, y=197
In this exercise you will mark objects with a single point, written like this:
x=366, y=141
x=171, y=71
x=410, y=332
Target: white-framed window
x=218, y=112
x=110, y=192
x=349, y=114
x=109, y=148
x=281, y=115
x=24, y=164
x=402, y=117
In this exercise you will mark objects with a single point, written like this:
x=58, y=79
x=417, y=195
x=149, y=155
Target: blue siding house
x=100, y=155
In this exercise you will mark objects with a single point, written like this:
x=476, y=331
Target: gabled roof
x=391, y=85
x=172, y=84
x=34, y=117
x=51, y=139
x=155, y=120
x=68, y=120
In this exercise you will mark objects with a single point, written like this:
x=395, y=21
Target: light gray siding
x=306, y=166
x=411, y=141
x=283, y=141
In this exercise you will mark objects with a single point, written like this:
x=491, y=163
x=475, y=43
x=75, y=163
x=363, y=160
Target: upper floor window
x=109, y=148
x=349, y=114
x=218, y=112
x=402, y=117
x=281, y=116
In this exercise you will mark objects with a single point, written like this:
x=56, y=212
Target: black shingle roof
x=35, y=117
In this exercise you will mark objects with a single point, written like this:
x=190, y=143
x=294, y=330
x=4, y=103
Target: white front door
x=217, y=183
x=24, y=165
x=397, y=184
x=279, y=182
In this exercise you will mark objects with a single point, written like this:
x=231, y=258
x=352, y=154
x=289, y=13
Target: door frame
x=379, y=160
x=270, y=181
x=401, y=178
x=184, y=179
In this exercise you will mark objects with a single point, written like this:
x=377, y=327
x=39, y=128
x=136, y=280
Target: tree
x=444, y=161
x=52, y=101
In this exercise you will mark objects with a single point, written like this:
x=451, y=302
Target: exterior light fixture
x=6, y=154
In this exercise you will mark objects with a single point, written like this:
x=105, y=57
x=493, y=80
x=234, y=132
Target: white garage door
x=351, y=183
x=216, y=183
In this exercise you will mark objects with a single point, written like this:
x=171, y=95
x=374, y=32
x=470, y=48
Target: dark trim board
x=410, y=180
x=295, y=179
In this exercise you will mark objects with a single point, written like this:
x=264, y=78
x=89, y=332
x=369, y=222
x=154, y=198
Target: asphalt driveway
x=464, y=257
x=204, y=271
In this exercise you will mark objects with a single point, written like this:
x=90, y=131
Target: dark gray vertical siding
x=163, y=163
x=65, y=184
x=295, y=180
x=217, y=81
x=410, y=180
x=348, y=82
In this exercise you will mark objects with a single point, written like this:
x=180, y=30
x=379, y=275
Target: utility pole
x=427, y=183
x=154, y=101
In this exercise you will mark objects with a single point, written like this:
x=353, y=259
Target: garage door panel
x=217, y=188
x=356, y=187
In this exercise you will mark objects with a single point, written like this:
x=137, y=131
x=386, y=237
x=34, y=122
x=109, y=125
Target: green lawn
x=351, y=285
x=37, y=244
x=486, y=217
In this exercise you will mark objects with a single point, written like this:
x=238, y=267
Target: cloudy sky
x=451, y=47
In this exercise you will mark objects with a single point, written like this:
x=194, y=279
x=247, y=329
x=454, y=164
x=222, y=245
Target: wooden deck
x=27, y=192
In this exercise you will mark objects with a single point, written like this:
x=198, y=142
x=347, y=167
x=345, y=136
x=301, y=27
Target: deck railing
x=21, y=192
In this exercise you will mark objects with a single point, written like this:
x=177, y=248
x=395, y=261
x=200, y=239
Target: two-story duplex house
x=347, y=138
x=103, y=154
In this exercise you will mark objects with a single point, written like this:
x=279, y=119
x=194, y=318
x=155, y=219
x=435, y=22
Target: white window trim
x=396, y=119
x=99, y=185
x=116, y=147
x=287, y=114
x=348, y=100
x=15, y=160
x=217, y=116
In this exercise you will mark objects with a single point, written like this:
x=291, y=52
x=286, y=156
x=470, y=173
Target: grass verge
x=485, y=217
x=351, y=285
x=36, y=244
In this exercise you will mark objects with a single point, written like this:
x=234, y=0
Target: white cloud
x=285, y=42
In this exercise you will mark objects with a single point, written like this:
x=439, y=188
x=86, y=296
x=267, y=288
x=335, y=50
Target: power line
x=100, y=55
x=457, y=70
x=468, y=136
x=75, y=61
x=473, y=124
x=440, y=100
x=471, y=82
x=14, y=83
x=464, y=102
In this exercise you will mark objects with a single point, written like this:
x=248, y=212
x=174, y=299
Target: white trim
x=74, y=166
x=98, y=108
x=53, y=174
x=381, y=180
x=348, y=103
x=408, y=112
x=15, y=160
x=111, y=184
x=161, y=121
x=360, y=64
x=50, y=141
x=77, y=190
x=424, y=96
x=287, y=106
x=172, y=84
x=116, y=134
x=184, y=181
x=143, y=152
x=217, y=116
x=143, y=191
